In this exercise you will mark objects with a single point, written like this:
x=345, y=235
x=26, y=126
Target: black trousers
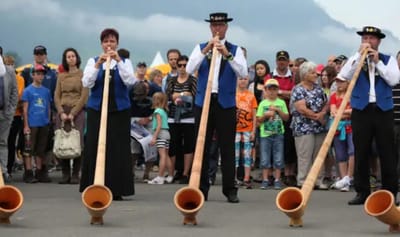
x=223, y=121
x=367, y=124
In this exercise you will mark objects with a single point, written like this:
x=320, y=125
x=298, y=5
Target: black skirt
x=118, y=170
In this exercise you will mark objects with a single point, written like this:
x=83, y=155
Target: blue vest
x=383, y=91
x=120, y=93
x=226, y=81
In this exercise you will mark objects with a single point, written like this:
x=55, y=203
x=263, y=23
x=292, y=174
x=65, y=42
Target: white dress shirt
x=390, y=72
x=2, y=68
x=238, y=64
x=124, y=67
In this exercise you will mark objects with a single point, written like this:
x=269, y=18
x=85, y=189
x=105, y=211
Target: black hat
x=219, y=17
x=40, y=49
x=371, y=30
x=340, y=58
x=141, y=64
x=282, y=54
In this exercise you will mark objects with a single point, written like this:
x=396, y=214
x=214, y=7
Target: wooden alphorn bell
x=97, y=197
x=381, y=205
x=11, y=200
x=293, y=201
x=189, y=200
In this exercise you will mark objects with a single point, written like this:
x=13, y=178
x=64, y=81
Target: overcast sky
x=355, y=13
x=308, y=28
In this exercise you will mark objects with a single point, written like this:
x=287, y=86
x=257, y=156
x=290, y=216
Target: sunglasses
x=181, y=64
x=291, y=65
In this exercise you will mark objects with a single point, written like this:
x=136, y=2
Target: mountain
x=146, y=27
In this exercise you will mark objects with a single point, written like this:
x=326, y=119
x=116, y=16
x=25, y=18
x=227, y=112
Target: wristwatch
x=229, y=57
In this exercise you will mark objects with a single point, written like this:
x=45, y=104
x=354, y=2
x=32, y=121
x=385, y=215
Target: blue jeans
x=271, y=152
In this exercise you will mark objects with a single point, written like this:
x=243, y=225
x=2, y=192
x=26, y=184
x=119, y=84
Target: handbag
x=67, y=145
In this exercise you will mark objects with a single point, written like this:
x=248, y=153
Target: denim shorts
x=343, y=149
x=271, y=152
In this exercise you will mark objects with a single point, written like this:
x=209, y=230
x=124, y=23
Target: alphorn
x=189, y=200
x=11, y=200
x=293, y=201
x=97, y=197
x=381, y=205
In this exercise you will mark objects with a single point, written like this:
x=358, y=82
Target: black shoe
x=29, y=178
x=205, y=194
x=118, y=198
x=248, y=184
x=178, y=176
x=65, y=179
x=184, y=179
x=233, y=198
x=359, y=199
x=74, y=179
x=42, y=176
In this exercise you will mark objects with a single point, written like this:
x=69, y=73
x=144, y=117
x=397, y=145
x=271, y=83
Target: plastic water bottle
x=28, y=143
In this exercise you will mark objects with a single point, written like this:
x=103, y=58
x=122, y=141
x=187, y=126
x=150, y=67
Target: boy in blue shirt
x=36, y=105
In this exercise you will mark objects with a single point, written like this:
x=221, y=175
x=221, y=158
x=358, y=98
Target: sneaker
x=238, y=182
x=322, y=186
x=277, y=185
x=169, y=179
x=264, y=184
x=247, y=184
x=156, y=180
x=345, y=188
x=345, y=181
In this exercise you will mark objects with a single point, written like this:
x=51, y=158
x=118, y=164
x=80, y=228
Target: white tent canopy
x=157, y=60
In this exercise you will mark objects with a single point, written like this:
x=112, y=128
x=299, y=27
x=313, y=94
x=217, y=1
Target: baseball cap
x=340, y=78
x=271, y=82
x=40, y=49
x=319, y=68
x=282, y=55
x=39, y=68
x=340, y=58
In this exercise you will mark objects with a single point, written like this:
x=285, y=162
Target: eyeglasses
x=181, y=64
x=242, y=78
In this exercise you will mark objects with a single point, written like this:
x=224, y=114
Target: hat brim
x=225, y=20
x=282, y=57
x=271, y=85
x=44, y=71
x=379, y=35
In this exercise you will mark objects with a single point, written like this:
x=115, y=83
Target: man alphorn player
x=372, y=116
x=229, y=65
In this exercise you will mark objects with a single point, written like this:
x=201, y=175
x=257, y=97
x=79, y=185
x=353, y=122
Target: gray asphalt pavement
x=56, y=210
